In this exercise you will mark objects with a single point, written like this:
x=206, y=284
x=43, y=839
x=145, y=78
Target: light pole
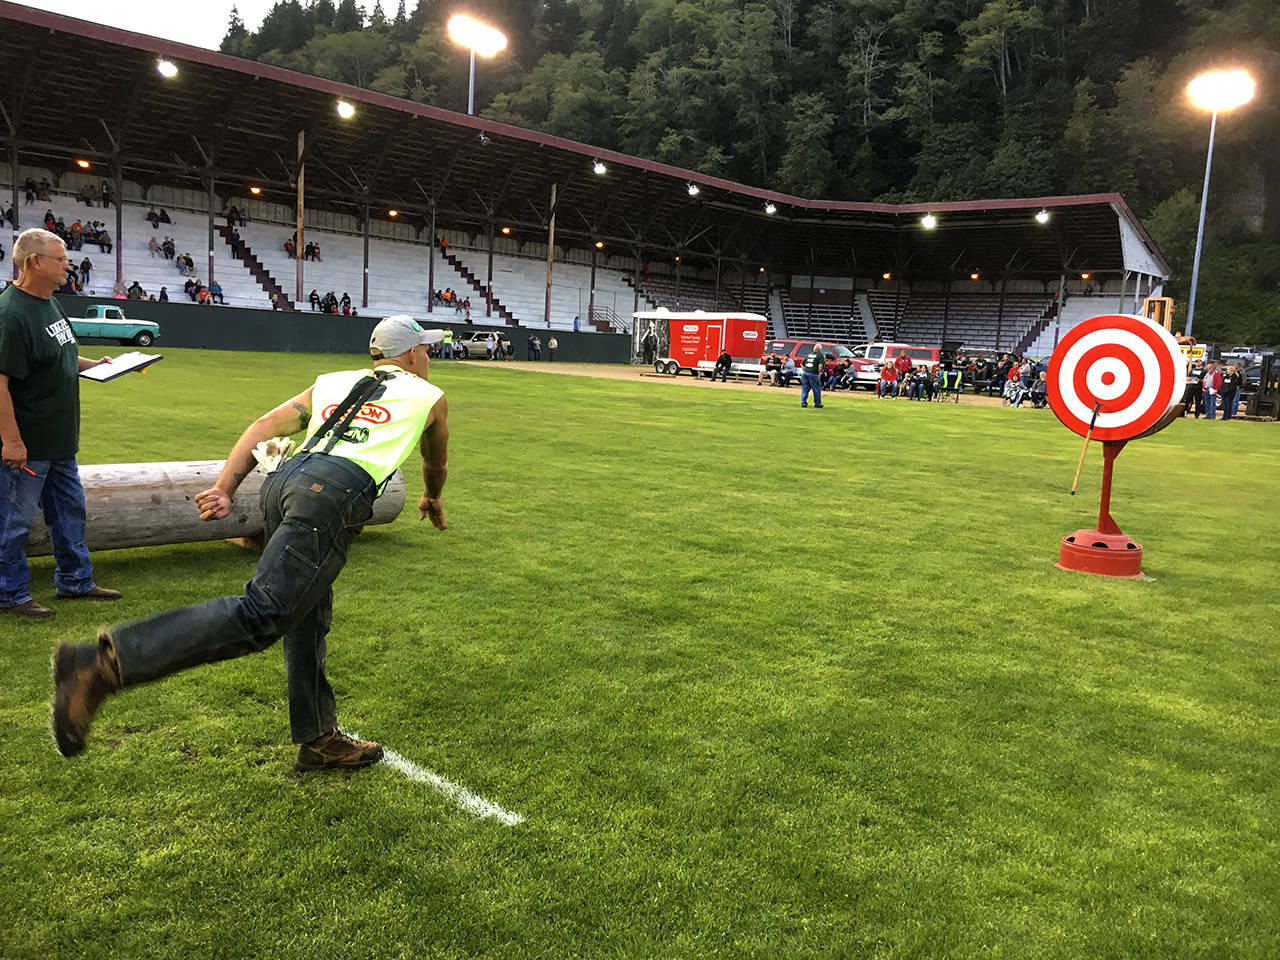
x=479, y=38
x=1214, y=91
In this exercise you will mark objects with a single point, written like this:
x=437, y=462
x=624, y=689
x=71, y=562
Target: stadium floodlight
x=393, y=213
x=599, y=244
x=1085, y=276
x=770, y=208
x=478, y=38
x=1213, y=91
x=693, y=189
x=886, y=276
x=166, y=68
x=82, y=164
x=255, y=190
x=973, y=276
x=598, y=168
x=1042, y=217
x=762, y=269
x=345, y=110
x=506, y=231
x=928, y=221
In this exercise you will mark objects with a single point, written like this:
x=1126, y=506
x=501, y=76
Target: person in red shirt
x=888, y=380
x=904, y=366
x=1211, y=384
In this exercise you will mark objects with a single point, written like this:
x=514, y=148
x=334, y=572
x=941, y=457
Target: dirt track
x=617, y=371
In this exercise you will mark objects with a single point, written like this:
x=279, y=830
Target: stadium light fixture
x=82, y=164
x=506, y=231
x=345, y=110
x=762, y=269
x=166, y=68
x=255, y=190
x=677, y=258
x=1213, y=91
x=1084, y=276
x=770, y=208
x=1042, y=217
x=478, y=38
x=928, y=221
x=973, y=276
x=693, y=189
x=598, y=168
x=886, y=276
x=393, y=213
x=599, y=244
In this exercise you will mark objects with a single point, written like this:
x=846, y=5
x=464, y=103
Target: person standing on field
x=40, y=366
x=360, y=424
x=811, y=378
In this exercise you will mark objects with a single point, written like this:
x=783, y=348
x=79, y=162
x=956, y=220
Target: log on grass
x=149, y=504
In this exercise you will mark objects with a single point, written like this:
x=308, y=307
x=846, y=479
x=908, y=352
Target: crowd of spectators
x=311, y=251
x=77, y=234
x=331, y=303
x=450, y=298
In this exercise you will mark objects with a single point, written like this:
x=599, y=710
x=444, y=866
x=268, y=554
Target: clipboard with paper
x=119, y=366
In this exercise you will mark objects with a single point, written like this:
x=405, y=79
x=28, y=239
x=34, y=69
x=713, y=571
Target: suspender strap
x=346, y=412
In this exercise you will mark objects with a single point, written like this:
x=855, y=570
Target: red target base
x=1107, y=554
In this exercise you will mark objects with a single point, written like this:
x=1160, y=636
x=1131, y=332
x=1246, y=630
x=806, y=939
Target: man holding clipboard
x=40, y=429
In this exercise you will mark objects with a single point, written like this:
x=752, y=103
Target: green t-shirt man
x=39, y=355
x=813, y=362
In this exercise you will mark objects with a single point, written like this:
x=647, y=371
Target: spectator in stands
x=235, y=242
x=75, y=235
x=444, y=245
x=289, y=249
x=191, y=264
x=787, y=373
x=135, y=291
x=575, y=324
x=457, y=307
x=275, y=302
x=153, y=218
x=315, y=252
x=164, y=295
x=103, y=240
x=552, y=346
x=215, y=293
x=182, y=264
x=164, y=216
x=119, y=291
x=308, y=250
x=345, y=303
x=189, y=288
x=236, y=217
x=202, y=296
x=170, y=248
x=314, y=299
x=106, y=193
x=9, y=215
x=50, y=221
x=724, y=363
x=466, y=310
x=153, y=247
x=86, y=267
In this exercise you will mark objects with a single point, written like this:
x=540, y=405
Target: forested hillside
x=873, y=100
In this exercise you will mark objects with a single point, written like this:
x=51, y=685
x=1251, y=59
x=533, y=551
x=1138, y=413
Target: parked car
x=864, y=373
x=108, y=322
x=473, y=344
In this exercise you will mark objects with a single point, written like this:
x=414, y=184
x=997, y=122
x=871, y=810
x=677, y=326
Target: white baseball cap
x=399, y=334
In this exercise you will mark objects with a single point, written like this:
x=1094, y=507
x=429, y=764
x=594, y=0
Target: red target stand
x=1113, y=378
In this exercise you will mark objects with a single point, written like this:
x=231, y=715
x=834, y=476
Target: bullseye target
x=1128, y=365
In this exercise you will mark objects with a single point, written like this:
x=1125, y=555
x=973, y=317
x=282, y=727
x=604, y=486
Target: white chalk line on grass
x=459, y=795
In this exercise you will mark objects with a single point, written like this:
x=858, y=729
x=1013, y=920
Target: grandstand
x=358, y=170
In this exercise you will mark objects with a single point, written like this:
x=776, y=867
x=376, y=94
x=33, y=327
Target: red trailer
x=693, y=341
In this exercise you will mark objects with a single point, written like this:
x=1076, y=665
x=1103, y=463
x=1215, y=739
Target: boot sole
x=359, y=764
x=68, y=740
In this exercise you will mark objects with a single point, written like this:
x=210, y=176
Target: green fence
x=237, y=328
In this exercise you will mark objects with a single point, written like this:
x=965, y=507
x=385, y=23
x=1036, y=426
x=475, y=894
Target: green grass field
x=763, y=682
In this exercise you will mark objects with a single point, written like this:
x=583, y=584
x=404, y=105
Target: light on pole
x=479, y=38
x=1214, y=91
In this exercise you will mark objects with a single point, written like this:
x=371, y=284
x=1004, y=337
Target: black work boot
x=83, y=675
x=335, y=750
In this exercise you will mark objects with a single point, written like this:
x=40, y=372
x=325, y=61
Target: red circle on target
x=1130, y=367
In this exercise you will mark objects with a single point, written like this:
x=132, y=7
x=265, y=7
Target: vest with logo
x=388, y=426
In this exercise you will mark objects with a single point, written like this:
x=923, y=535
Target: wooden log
x=149, y=504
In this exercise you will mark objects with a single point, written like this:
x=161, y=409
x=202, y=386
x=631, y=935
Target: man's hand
x=14, y=453
x=431, y=507
x=213, y=504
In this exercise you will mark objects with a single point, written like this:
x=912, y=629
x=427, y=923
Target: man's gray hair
x=33, y=242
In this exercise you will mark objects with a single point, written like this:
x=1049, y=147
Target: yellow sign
x=1192, y=351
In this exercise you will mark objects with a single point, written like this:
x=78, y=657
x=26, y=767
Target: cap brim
x=431, y=337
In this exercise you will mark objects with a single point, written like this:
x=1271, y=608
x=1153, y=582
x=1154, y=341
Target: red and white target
x=1129, y=365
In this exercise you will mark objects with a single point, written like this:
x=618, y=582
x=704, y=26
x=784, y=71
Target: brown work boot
x=335, y=750
x=28, y=608
x=93, y=593
x=83, y=675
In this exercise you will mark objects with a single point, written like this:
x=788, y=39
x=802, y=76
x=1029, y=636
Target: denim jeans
x=56, y=489
x=1210, y=405
x=810, y=381
x=312, y=506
